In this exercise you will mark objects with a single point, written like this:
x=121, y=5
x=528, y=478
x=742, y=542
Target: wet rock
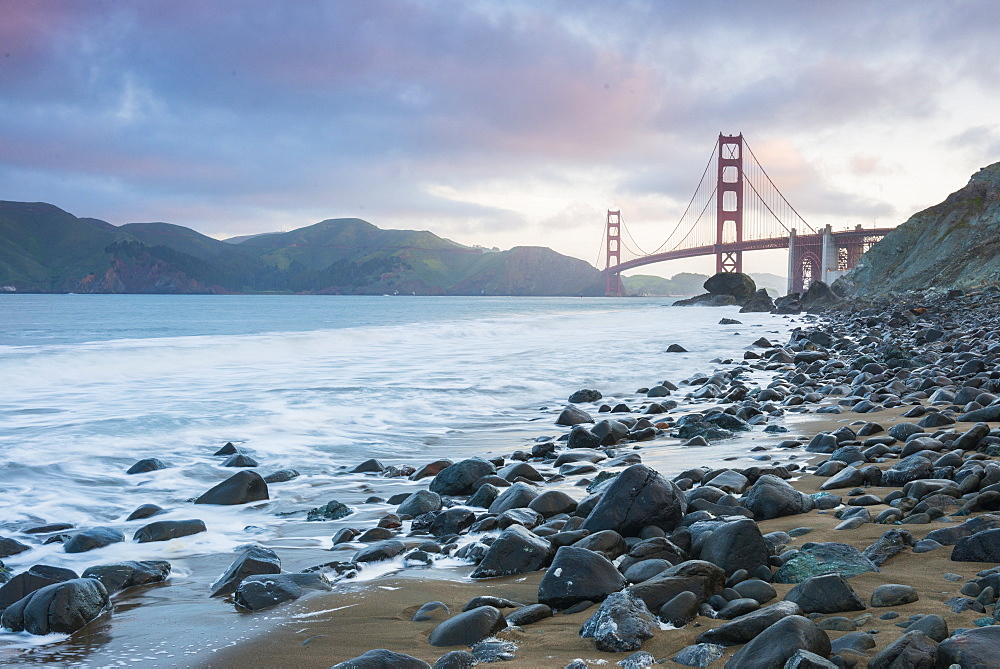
x=746, y=627
x=702, y=578
x=572, y=415
x=772, y=497
x=740, y=286
x=145, y=511
x=123, y=575
x=380, y=658
x=526, y=615
x=382, y=550
x=146, y=465
x=577, y=574
x=980, y=547
x=891, y=594
x=698, y=655
x=638, y=660
x=240, y=488
x=803, y=659
x=95, y=537
x=889, y=545
x=823, y=558
x=468, y=628
x=281, y=476
x=35, y=578
x=371, y=465
x=757, y=589
x=255, y=560
x=637, y=498
x=164, y=530
x=914, y=649
x=266, y=590
x=458, y=479
x=608, y=543
x=427, y=611
x=908, y=469
x=827, y=593
x=736, y=545
x=779, y=642
x=420, y=502
x=332, y=510
x=430, y=469
x=9, y=547
x=517, y=496
x=949, y=536
x=759, y=302
x=60, y=608
x=680, y=609
x=456, y=659
x=240, y=460
x=494, y=650
x=621, y=624
x=585, y=396
x=553, y=502
x=738, y=607
x=452, y=521
x=933, y=625
x=515, y=551
x=970, y=648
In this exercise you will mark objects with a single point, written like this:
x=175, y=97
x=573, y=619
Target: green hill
x=687, y=283
x=45, y=249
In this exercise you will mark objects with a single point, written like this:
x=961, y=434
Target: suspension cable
x=778, y=190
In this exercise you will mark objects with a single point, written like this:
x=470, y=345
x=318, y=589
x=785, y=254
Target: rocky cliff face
x=955, y=244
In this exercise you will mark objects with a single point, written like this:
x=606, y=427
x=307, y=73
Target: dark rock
x=241, y=460
x=369, y=466
x=484, y=496
x=489, y=600
x=738, y=607
x=681, y=609
x=468, y=628
x=255, y=560
x=746, y=627
x=914, y=649
x=381, y=658
x=60, y=608
x=515, y=551
x=382, y=550
x=818, y=295
x=35, y=578
x=637, y=498
x=949, y=536
x=332, y=510
x=970, y=648
x=607, y=542
x=517, y=496
x=456, y=659
x=779, y=642
x=932, y=625
x=431, y=469
x=164, y=530
x=572, y=415
x=123, y=575
x=146, y=465
x=702, y=578
x=240, y=488
x=577, y=574
x=980, y=547
x=621, y=624
x=585, y=396
x=740, y=286
x=908, y=469
x=426, y=611
x=757, y=589
x=823, y=558
x=803, y=659
x=698, y=655
x=266, y=590
x=759, y=302
x=990, y=414
x=95, y=537
x=527, y=615
x=9, y=547
x=228, y=449
x=494, y=650
x=420, y=503
x=889, y=545
x=891, y=594
x=458, y=479
x=772, y=497
x=827, y=593
x=145, y=511
x=553, y=502
x=452, y=521
x=736, y=545
x=281, y=476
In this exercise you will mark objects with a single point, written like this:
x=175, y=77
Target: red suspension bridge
x=740, y=210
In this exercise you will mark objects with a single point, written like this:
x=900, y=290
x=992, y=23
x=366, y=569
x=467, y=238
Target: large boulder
x=637, y=498
x=736, y=545
x=701, y=578
x=818, y=296
x=123, y=575
x=740, y=286
x=970, y=648
x=827, y=593
x=381, y=658
x=240, y=488
x=621, y=624
x=949, y=536
x=458, y=479
x=60, y=608
x=749, y=625
x=576, y=575
x=776, y=644
x=515, y=551
x=418, y=503
x=35, y=578
x=912, y=650
x=980, y=547
x=164, y=530
x=517, y=496
x=773, y=497
x=814, y=559
x=253, y=561
x=760, y=301
x=267, y=590
x=469, y=627
x=95, y=537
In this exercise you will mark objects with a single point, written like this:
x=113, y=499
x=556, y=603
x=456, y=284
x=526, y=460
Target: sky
x=493, y=123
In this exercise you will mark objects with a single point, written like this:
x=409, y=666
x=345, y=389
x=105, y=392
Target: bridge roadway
x=842, y=238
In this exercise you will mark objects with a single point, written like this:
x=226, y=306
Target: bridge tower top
x=613, y=282
x=729, y=202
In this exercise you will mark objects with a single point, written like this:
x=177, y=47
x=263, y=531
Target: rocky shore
x=868, y=536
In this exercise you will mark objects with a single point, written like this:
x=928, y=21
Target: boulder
x=553, y=502
x=702, y=578
x=827, y=593
x=621, y=624
x=577, y=575
x=773, y=497
x=146, y=465
x=637, y=498
x=60, y=608
x=253, y=561
x=912, y=650
x=970, y=648
x=380, y=658
x=889, y=545
x=144, y=511
x=814, y=559
x=9, y=547
x=908, y=469
x=456, y=659
x=381, y=550
x=527, y=615
x=698, y=655
x=123, y=575
x=892, y=594
x=779, y=642
x=95, y=537
x=748, y=626
x=266, y=590
x=740, y=286
x=515, y=551
x=572, y=415
x=760, y=301
x=736, y=545
x=240, y=488
x=452, y=521
x=585, y=395
x=458, y=478
x=949, y=536
x=517, y=496
x=332, y=510
x=681, y=609
x=164, y=530
x=980, y=547
x=818, y=296
x=469, y=627
x=419, y=503
x=35, y=578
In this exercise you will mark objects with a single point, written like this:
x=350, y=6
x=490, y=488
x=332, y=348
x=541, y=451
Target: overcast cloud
x=494, y=123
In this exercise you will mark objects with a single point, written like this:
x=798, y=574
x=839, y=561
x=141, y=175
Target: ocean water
x=89, y=384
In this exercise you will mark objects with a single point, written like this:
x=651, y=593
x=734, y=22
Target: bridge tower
x=729, y=203
x=613, y=280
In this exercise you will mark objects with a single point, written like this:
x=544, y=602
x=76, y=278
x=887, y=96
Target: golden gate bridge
x=737, y=211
